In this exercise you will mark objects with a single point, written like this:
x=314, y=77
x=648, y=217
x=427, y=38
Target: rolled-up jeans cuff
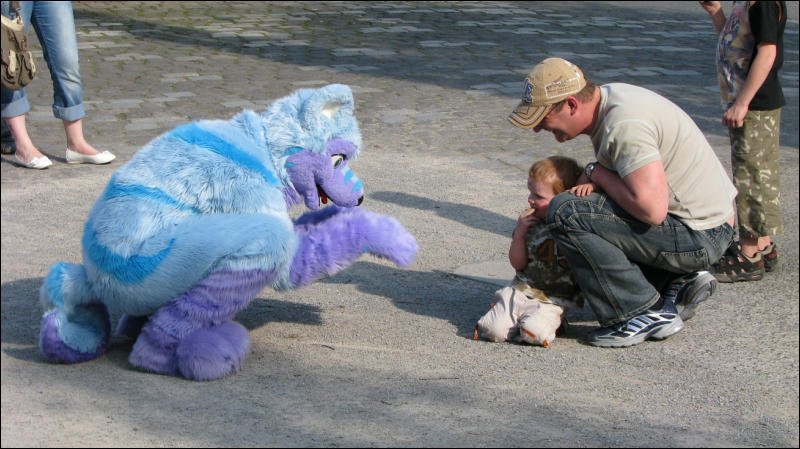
x=69, y=114
x=17, y=107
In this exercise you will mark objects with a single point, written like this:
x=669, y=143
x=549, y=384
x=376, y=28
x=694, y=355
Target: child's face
x=540, y=195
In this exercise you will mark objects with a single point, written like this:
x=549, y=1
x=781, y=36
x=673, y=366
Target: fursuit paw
x=82, y=337
x=213, y=353
x=386, y=238
x=204, y=354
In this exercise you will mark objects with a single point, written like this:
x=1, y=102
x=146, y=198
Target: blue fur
x=194, y=135
x=114, y=190
x=65, y=280
x=127, y=270
x=166, y=217
x=84, y=331
x=202, y=245
x=295, y=122
x=52, y=296
x=348, y=175
x=293, y=150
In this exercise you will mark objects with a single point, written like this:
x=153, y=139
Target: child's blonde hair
x=563, y=171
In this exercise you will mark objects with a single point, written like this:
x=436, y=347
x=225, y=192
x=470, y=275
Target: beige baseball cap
x=551, y=81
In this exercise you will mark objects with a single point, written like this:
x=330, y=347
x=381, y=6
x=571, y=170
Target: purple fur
x=154, y=351
x=57, y=351
x=193, y=336
x=310, y=219
x=311, y=172
x=328, y=244
x=291, y=197
x=212, y=353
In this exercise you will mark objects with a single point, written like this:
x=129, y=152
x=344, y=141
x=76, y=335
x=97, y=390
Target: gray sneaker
x=689, y=291
x=656, y=324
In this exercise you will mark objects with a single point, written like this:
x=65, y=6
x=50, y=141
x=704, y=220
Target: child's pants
x=515, y=317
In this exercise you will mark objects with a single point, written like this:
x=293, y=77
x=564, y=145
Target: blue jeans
x=55, y=27
x=621, y=263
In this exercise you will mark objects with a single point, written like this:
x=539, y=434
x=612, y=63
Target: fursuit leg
x=75, y=327
x=194, y=336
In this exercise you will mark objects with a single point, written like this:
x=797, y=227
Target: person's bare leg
x=752, y=245
x=75, y=140
x=26, y=151
x=749, y=246
x=764, y=242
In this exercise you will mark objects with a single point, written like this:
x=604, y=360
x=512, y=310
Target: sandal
x=734, y=266
x=770, y=257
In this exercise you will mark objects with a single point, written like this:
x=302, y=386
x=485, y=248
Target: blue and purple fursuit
x=196, y=224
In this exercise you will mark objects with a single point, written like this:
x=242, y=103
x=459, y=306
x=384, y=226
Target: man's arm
x=643, y=192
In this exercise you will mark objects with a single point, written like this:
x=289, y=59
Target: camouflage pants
x=755, y=161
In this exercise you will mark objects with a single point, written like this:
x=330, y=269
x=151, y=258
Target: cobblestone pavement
x=346, y=362
x=436, y=76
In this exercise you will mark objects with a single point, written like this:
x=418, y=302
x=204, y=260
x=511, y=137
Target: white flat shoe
x=37, y=163
x=77, y=158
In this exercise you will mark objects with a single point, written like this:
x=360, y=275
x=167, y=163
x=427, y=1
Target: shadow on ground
x=465, y=214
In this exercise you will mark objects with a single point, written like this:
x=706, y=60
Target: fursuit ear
x=328, y=108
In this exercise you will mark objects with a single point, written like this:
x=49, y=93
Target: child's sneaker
x=770, y=257
x=734, y=266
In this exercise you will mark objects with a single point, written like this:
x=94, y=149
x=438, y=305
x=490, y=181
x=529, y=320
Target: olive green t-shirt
x=636, y=127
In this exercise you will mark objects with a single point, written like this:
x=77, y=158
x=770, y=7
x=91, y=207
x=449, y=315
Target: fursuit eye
x=337, y=160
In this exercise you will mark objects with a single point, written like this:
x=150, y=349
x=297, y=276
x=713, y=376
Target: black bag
x=18, y=67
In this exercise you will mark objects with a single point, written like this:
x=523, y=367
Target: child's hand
x=526, y=220
x=583, y=189
x=711, y=7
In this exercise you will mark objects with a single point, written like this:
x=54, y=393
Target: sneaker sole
x=661, y=333
x=699, y=292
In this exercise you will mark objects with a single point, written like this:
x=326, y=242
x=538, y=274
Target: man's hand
x=583, y=189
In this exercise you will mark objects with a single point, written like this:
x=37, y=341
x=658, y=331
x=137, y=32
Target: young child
x=749, y=56
x=531, y=308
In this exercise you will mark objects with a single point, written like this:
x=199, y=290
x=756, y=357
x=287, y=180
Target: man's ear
x=573, y=104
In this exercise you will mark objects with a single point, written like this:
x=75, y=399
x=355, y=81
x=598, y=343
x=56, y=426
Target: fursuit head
x=197, y=223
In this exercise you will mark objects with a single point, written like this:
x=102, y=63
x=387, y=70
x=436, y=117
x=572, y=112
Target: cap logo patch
x=526, y=93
